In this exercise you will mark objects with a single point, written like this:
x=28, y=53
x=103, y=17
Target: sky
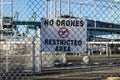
x=102, y=11
x=26, y=8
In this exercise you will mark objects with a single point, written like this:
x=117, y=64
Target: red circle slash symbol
x=63, y=32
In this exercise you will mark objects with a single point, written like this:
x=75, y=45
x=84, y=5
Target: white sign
x=63, y=35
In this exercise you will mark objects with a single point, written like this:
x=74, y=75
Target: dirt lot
x=100, y=68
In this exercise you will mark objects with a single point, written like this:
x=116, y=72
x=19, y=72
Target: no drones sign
x=63, y=35
x=63, y=32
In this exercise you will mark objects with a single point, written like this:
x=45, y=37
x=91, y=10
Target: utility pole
x=1, y=19
x=53, y=10
x=113, y=14
x=69, y=7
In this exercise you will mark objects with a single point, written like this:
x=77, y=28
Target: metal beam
x=110, y=42
x=26, y=23
x=89, y=28
x=104, y=29
x=5, y=3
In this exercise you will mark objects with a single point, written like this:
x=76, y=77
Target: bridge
x=27, y=23
x=100, y=26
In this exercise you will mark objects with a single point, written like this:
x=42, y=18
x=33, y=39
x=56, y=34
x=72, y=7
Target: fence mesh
x=70, y=39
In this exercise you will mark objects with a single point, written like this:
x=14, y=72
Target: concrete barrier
x=47, y=59
x=113, y=78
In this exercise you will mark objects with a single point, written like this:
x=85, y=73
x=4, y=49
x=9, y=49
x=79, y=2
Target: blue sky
x=103, y=13
x=27, y=7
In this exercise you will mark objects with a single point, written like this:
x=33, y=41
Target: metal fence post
x=64, y=56
x=107, y=53
x=37, y=56
x=33, y=55
x=7, y=61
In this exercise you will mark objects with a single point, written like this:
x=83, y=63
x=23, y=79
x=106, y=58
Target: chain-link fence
x=48, y=39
